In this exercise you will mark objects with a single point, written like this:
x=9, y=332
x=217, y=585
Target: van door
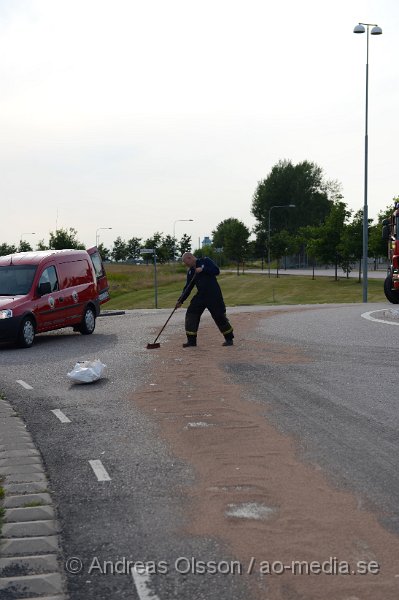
x=50, y=308
x=102, y=282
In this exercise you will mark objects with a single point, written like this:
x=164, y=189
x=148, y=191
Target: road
x=379, y=274
x=320, y=379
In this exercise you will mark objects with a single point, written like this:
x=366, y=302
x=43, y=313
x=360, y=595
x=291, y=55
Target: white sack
x=87, y=371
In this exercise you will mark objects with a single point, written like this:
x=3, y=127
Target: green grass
x=33, y=504
x=132, y=286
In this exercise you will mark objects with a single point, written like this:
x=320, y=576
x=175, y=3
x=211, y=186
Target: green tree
x=7, y=249
x=184, y=245
x=41, y=245
x=119, y=250
x=280, y=244
x=302, y=184
x=24, y=246
x=166, y=249
x=377, y=246
x=328, y=236
x=103, y=251
x=232, y=235
x=350, y=248
x=133, y=247
x=65, y=238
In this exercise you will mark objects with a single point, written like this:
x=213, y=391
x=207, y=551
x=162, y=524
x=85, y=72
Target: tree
x=24, y=246
x=328, y=236
x=119, y=250
x=41, y=245
x=377, y=246
x=279, y=245
x=133, y=247
x=232, y=235
x=184, y=245
x=166, y=249
x=6, y=249
x=303, y=185
x=63, y=239
x=103, y=251
x=350, y=248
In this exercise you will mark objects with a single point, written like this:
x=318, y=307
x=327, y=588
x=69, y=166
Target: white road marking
x=99, y=470
x=367, y=315
x=60, y=415
x=24, y=384
x=141, y=580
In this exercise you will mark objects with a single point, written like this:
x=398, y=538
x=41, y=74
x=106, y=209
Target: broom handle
x=171, y=314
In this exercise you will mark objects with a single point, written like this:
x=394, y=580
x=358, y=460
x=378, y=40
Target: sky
x=137, y=115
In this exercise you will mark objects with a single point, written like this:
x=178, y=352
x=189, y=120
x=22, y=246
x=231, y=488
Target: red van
x=42, y=291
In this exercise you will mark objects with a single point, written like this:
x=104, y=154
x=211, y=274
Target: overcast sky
x=134, y=114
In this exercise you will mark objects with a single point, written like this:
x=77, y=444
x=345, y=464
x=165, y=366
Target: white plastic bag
x=87, y=371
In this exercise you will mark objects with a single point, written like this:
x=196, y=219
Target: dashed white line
x=141, y=580
x=60, y=415
x=99, y=470
x=24, y=384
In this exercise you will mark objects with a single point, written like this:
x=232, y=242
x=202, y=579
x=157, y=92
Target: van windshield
x=16, y=280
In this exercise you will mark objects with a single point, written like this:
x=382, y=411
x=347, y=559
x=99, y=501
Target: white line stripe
x=367, y=315
x=99, y=470
x=24, y=384
x=60, y=415
x=142, y=580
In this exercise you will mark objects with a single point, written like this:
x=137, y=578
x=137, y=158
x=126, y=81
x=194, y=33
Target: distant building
x=206, y=242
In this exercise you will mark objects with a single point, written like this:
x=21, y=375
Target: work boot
x=228, y=342
x=191, y=342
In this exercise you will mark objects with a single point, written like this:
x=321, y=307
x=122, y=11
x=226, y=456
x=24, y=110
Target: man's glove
x=178, y=304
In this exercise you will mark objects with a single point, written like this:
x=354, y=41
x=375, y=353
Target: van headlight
x=6, y=314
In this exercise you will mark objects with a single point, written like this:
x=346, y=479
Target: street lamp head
x=376, y=30
x=359, y=29
x=291, y=206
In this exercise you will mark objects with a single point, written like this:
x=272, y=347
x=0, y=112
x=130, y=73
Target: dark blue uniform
x=209, y=295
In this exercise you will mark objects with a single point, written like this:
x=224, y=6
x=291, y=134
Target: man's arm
x=210, y=267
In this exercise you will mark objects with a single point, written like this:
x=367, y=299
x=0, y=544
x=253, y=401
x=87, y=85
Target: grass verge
x=132, y=287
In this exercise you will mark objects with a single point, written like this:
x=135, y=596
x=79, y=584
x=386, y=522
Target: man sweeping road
x=202, y=273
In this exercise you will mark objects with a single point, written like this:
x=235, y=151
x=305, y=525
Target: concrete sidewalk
x=29, y=541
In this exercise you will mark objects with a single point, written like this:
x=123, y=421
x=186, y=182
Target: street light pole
x=26, y=233
x=97, y=236
x=174, y=227
x=360, y=28
x=268, y=231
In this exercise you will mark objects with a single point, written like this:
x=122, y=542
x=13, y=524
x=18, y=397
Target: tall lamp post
x=268, y=231
x=97, y=236
x=26, y=233
x=174, y=228
x=362, y=28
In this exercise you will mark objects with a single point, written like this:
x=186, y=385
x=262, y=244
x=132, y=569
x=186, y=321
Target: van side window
x=50, y=275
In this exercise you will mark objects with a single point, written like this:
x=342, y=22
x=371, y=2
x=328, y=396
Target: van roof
x=36, y=257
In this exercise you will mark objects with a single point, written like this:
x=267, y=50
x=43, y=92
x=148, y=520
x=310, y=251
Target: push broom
x=156, y=344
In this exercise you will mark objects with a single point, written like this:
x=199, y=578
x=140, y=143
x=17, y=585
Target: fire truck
x=390, y=234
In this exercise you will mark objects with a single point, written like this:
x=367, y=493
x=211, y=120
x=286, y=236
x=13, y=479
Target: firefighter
x=202, y=274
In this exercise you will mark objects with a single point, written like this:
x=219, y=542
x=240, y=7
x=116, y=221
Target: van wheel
x=88, y=323
x=26, y=333
x=391, y=294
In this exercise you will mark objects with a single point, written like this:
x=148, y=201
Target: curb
x=29, y=531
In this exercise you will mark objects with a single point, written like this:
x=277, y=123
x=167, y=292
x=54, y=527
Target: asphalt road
x=134, y=516
x=341, y=405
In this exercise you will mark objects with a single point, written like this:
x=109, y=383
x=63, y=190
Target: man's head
x=189, y=259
